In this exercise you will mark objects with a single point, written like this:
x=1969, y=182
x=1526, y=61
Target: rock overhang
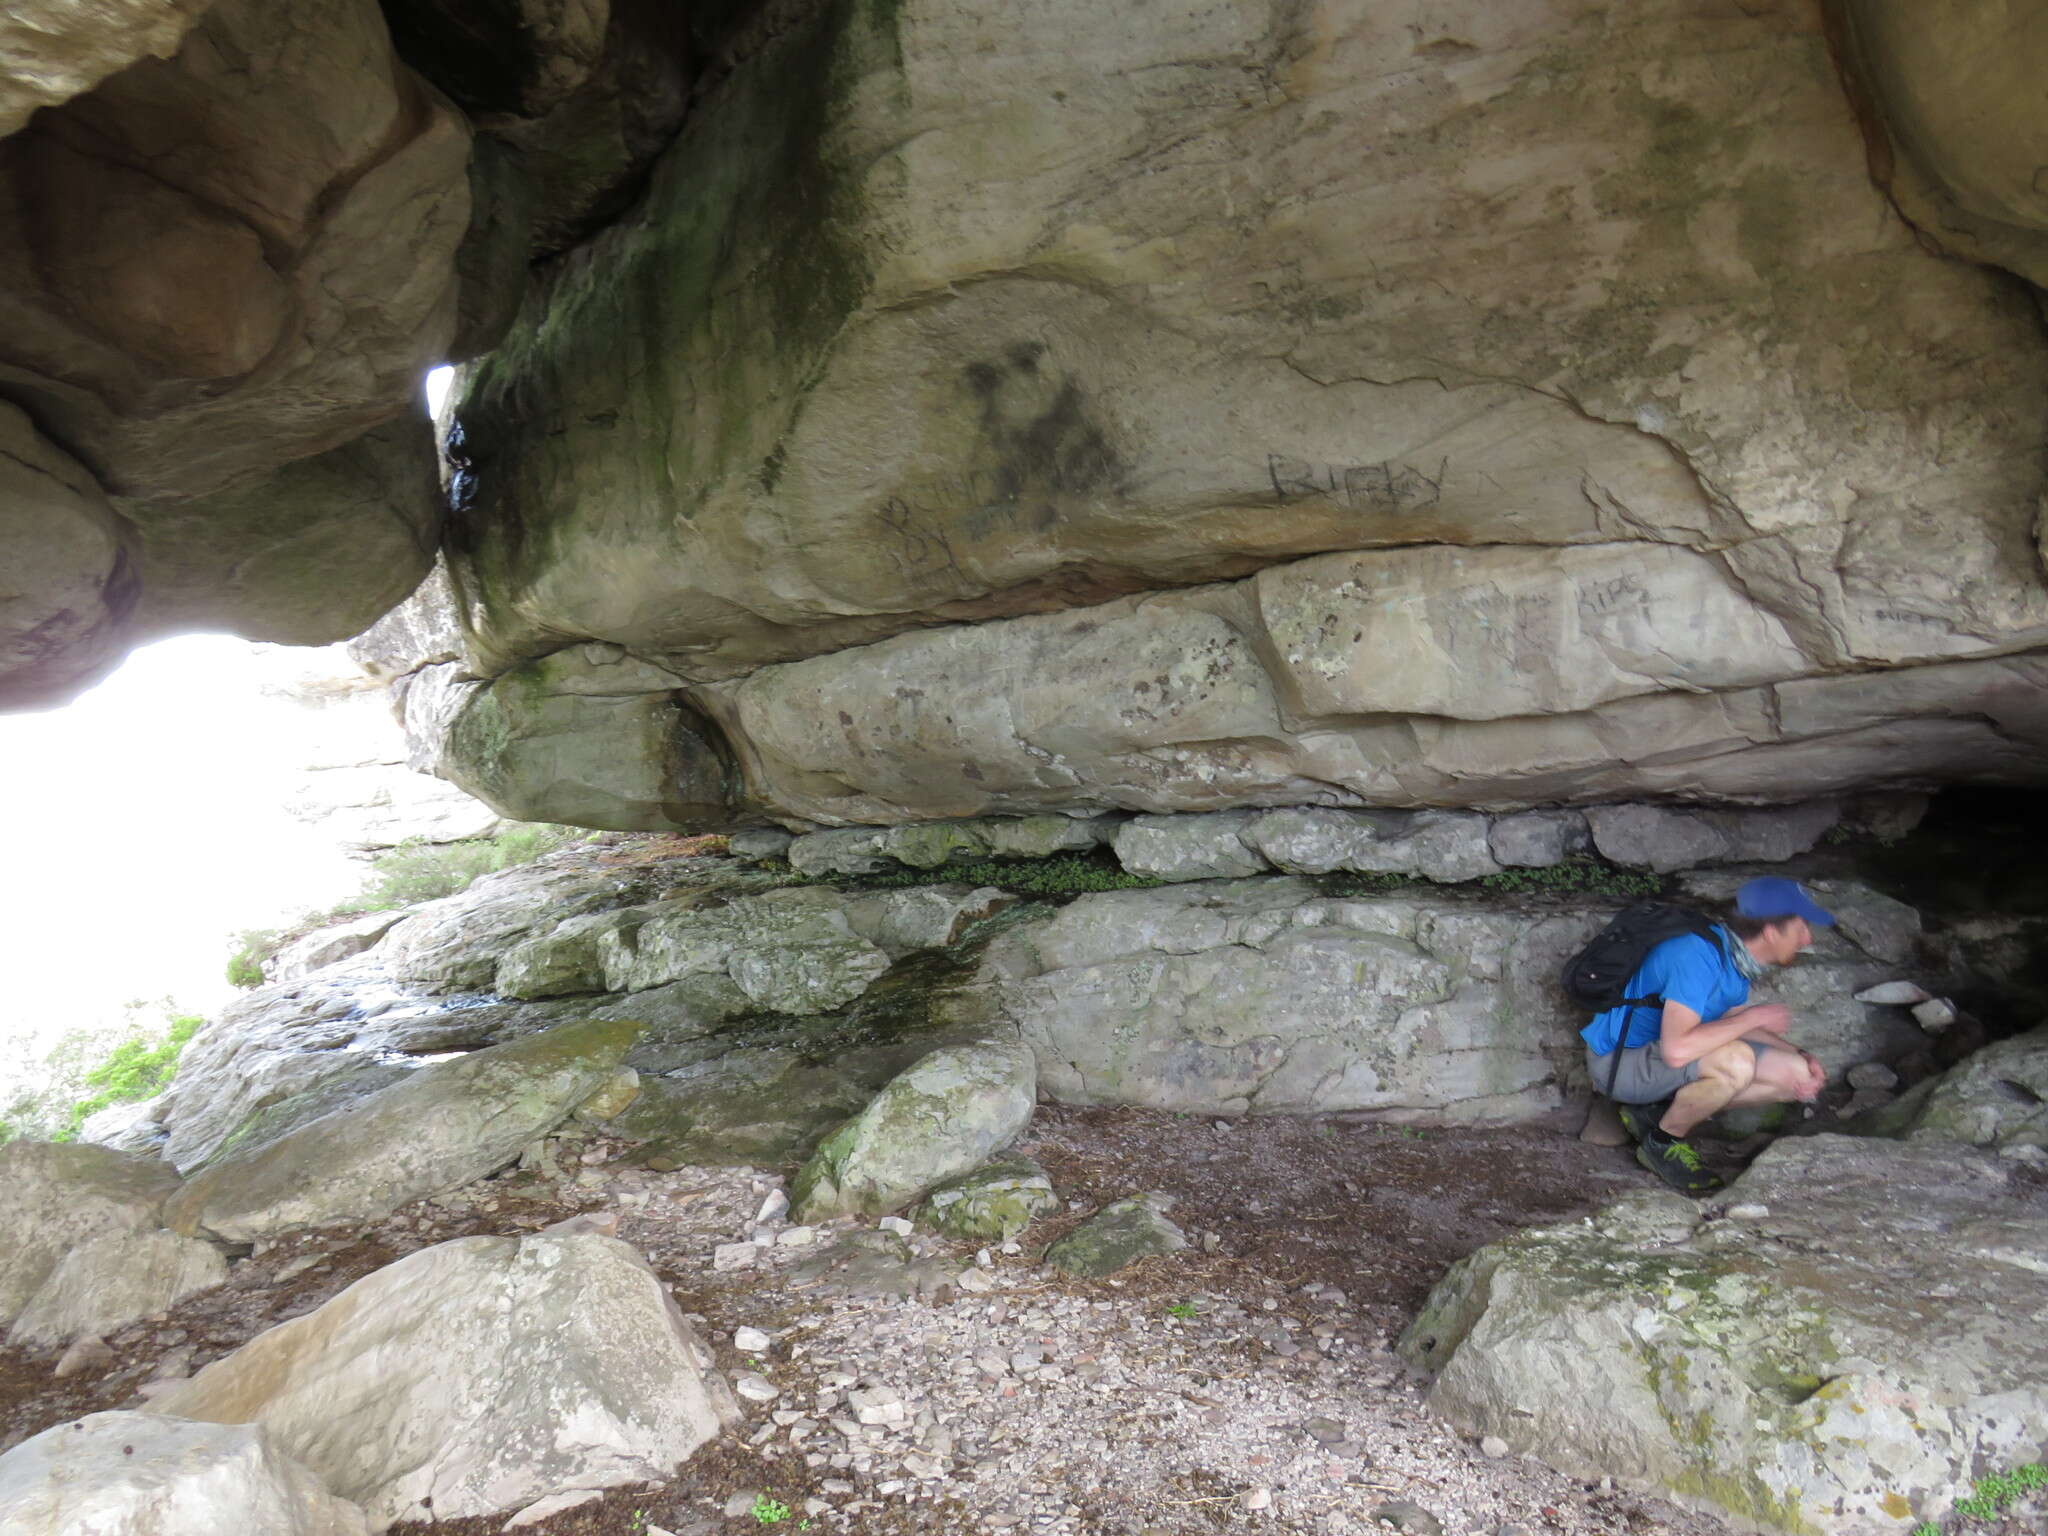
x=1012, y=481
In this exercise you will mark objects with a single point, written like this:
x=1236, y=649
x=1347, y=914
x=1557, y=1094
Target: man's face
x=1785, y=940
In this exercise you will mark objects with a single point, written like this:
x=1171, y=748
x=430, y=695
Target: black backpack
x=1596, y=978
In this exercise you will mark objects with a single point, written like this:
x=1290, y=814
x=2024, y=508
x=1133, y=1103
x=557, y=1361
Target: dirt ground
x=1376, y=1211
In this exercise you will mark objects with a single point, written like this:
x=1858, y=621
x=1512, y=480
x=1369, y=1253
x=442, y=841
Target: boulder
x=1437, y=845
x=443, y=1126
x=56, y=1195
x=1699, y=1355
x=790, y=951
x=475, y=1376
x=146, y=1474
x=1116, y=1237
x=106, y=1282
x=943, y=1116
x=992, y=1204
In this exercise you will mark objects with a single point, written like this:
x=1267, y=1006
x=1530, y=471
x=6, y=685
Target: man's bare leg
x=1725, y=1073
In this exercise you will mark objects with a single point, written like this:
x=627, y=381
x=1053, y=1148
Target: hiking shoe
x=1677, y=1164
x=1640, y=1120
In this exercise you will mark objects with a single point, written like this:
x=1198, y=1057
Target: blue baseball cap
x=1772, y=896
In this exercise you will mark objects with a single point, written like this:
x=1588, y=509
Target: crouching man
x=1707, y=1047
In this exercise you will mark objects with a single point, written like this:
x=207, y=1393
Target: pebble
x=751, y=1341
x=727, y=1257
x=797, y=1237
x=1403, y=1515
x=774, y=1208
x=1494, y=1447
x=741, y=1504
x=1872, y=1074
x=1256, y=1498
x=897, y=1225
x=86, y=1353
x=756, y=1389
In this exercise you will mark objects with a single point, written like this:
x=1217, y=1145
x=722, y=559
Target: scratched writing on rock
x=1598, y=599
x=1384, y=487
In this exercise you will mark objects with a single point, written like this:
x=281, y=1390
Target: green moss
x=1062, y=875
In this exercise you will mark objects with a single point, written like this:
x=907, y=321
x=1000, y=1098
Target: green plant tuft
x=1999, y=1489
x=1579, y=873
x=133, y=1070
x=1181, y=1309
x=769, y=1511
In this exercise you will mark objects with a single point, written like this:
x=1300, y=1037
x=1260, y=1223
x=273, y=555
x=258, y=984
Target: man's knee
x=1781, y=1073
x=1733, y=1064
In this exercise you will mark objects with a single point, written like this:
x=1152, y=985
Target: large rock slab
x=443, y=1126
x=945, y=1115
x=106, y=1282
x=1842, y=1352
x=144, y=1474
x=51, y=50
x=1263, y=996
x=1533, y=486
x=57, y=1195
x=475, y=1376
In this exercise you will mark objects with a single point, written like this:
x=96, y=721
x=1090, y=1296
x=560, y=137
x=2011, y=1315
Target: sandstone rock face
x=51, y=50
x=56, y=1195
x=475, y=1376
x=441, y=1127
x=144, y=1474
x=223, y=271
x=71, y=569
x=1957, y=136
x=277, y=282
x=1711, y=1361
x=944, y=1116
x=1650, y=509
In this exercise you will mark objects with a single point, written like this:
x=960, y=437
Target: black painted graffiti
x=1383, y=487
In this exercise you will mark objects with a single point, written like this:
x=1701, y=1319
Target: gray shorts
x=1643, y=1077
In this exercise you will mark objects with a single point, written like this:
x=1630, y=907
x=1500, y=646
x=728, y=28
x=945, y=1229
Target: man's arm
x=1684, y=1039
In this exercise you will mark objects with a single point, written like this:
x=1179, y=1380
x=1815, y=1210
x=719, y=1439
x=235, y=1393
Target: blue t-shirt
x=1689, y=970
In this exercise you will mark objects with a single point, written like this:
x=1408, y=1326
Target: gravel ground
x=1244, y=1384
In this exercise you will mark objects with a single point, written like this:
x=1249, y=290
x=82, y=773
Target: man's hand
x=1816, y=1078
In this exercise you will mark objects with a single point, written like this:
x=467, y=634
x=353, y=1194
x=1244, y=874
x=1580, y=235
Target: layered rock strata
x=1021, y=480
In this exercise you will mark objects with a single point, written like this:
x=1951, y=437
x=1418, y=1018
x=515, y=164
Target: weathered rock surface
x=1957, y=135
x=1262, y=995
x=1995, y=1099
x=109, y=1281
x=1116, y=1237
x=71, y=565
x=930, y=845
x=945, y=1115
x=49, y=52
x=145, y=1474
x=992, y=1204
x=57, y=1195
x=1843, y=1357
x=441, y=1127
x=1595, y=523
x=475, y=1376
